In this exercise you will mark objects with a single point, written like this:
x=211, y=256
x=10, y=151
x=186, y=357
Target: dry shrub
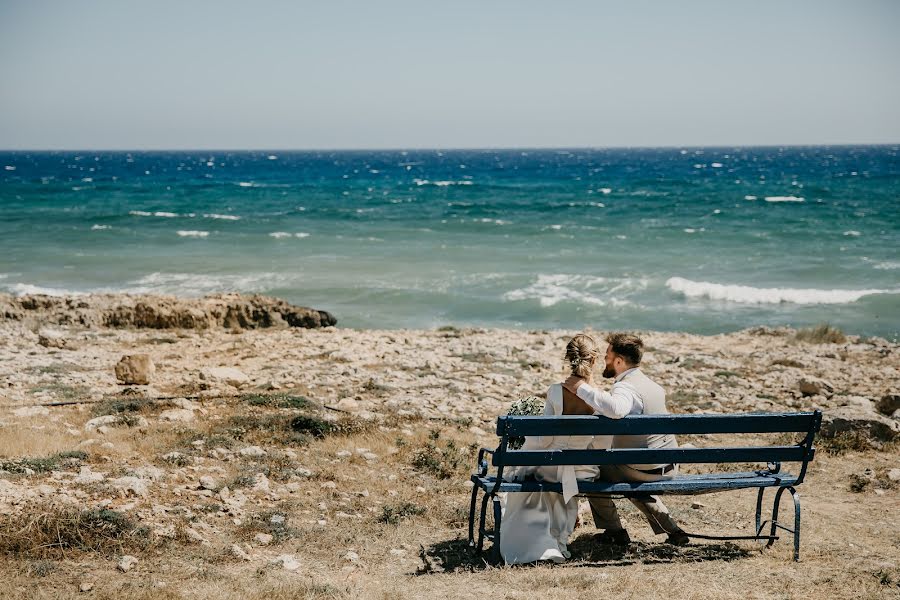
x=392, y=515
x=821, y=334
x=53, y=530
x=43, y=465
x=445, y=462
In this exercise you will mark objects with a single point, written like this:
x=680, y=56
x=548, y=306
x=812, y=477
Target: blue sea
x=701, y=240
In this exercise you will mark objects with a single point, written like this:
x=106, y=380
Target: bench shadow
x=456, y=556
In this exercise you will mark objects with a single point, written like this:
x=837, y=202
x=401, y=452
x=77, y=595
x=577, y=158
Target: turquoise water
x=702, y=240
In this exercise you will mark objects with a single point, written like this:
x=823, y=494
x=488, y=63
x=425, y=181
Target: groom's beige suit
x=652, y=402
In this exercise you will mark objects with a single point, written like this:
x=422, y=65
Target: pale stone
x=813, y=386
x=228, y=375
x=287, y=562
x=207, y=482
x=263, y=539
x=351, y=556
x=85, y=475
x=126, y=563
x=181, y=415
x=98, y=422
x=238, y=552
x=85, y=587
x=135, y=369
x=252, y=451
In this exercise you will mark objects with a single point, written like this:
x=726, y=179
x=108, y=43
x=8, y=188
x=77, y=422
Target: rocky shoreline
x=69, y=348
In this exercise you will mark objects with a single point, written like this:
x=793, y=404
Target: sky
x=96, y=74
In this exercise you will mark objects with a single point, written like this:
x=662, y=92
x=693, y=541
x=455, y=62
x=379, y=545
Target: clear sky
x=120, y=74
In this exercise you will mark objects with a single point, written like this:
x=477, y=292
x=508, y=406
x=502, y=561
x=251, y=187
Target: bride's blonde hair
x=581, y=354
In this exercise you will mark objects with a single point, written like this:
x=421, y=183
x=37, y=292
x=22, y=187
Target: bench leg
x=498, y=516
x=775, y=525
x=759, y=499
x=472, y=506
x=484, y=501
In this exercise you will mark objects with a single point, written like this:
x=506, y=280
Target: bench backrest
x=807, y=423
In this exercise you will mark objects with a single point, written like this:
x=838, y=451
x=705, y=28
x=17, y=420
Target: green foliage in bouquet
x=530, y=406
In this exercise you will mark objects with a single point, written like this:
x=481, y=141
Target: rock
x=51, y=338
x=348, y=404
x=287, y=562
x=370, y=456
x=351, y=556
x=85, y=587
x=148, y=472
x=98, y=422
x=135, y=369
x=343, y=454
x=261, y=483
x=697, y=505
x=207, y=482
x=180, y=415
x=185, y=404
x=238, y=552
x=893, y=474
x=31, y=411
x=126, y=562
x=813, y=386
x=252, y=451
x=398, y=552
x=263, y=539
x=889, y=404
x=194, y=535
x=847, y=418
x=228, y=375
x=85, y=475
x=130, y=485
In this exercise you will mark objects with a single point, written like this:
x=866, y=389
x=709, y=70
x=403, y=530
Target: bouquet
x=530, y=406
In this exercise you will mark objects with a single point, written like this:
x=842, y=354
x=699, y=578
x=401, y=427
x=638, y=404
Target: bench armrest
x=482, y=464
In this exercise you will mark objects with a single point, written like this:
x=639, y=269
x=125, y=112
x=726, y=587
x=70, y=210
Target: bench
x=771, y=476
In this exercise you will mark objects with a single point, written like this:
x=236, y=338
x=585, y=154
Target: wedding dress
x=537, y=525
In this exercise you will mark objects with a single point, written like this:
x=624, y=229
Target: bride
x=536, y=526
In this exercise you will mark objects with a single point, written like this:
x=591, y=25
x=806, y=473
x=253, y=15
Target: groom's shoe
x=678, y=538
x=613, y=537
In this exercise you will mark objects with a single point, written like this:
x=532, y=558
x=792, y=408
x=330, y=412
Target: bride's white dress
x=537, y=525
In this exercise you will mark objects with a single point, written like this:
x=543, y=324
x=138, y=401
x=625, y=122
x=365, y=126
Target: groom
x=623, y=359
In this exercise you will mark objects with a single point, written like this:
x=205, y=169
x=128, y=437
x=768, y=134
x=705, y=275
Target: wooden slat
x=657, y=424
x=693, y=484
x=638, y=456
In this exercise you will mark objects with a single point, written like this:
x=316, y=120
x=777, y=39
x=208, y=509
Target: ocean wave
x=784, y=199
x=159, y=213
x=550, y=290
x=24, y=289
x=852, y=233
x=888, y=265
x=742, y=294
x=100, y=227
x=285, y=234
x=192, y=233
x=223, y=217
x=196, y=284
x=443, y=183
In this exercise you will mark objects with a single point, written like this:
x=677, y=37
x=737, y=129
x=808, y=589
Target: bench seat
x=680, y=484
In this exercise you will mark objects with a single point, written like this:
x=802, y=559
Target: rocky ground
x=308, y=462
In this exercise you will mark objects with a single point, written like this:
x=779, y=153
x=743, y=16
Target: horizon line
x=452, y=148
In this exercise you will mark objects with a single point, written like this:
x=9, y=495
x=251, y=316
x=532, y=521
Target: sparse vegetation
x=279, y=401
x=393, y=514
x=53, y=531
x=44, y=464
x=445, y=462
x=821, y=334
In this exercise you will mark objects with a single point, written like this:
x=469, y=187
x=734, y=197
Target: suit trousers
x=604, y=510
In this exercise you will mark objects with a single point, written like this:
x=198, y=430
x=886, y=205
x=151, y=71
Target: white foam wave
x=743, y=294
x=784, y=199
x=443, y=183
x=852, y=233
x=223, y=217
x=246, y=184
x=24, y=289
x=748, y=197
x=888, y=265
x=192, y=233
x=159, y=213
x=550, y=290
x=285, y=234
x=100, y=227
x=9, y=168
x=195, y=284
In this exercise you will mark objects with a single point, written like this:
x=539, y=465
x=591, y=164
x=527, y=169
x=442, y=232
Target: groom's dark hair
x=628, y=346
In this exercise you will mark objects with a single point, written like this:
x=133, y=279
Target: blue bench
x=807, y=423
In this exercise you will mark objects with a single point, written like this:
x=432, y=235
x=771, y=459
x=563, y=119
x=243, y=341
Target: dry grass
x=821, y=334
x=411, y=543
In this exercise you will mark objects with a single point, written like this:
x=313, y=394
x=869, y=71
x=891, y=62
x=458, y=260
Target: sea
x=702, y=240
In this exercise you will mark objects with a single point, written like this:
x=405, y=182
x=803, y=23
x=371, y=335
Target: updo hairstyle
x=581, y=353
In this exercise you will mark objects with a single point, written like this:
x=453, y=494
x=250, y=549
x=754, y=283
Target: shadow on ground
x=456, y=556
